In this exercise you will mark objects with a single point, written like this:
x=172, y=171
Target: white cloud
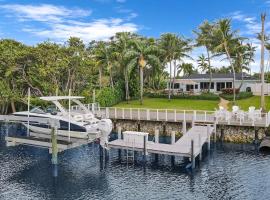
x=96, y=30
x=59, y=23
x=44, y=12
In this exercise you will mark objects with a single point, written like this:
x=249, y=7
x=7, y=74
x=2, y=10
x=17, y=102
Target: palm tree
x=185, y=68
x=144, y=53
x=263, y=15
x=225, y=41
x=121, y=48
x=168, y=44
x=182, y=47
x=205, y=38
x=105, y=58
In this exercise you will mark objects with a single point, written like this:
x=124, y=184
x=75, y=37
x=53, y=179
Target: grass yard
x=253, y=101
x=162, y=103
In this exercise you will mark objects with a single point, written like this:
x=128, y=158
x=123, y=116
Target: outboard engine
x=105, y=128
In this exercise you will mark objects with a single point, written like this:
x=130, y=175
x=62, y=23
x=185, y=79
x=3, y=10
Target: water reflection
x=227, y=172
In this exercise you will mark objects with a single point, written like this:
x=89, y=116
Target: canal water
x=228, y=171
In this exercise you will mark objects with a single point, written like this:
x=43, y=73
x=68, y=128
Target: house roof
x=238, y=76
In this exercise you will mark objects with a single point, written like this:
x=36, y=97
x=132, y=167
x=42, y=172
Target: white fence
x=175, y=115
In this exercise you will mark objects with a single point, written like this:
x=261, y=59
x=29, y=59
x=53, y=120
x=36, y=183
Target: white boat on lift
x=80, y=124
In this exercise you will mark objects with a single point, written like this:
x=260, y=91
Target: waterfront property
x=197, y=83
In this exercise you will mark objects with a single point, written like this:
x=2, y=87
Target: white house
x=196, y=83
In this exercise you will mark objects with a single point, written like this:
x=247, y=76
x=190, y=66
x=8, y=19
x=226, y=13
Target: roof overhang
x=185, y=81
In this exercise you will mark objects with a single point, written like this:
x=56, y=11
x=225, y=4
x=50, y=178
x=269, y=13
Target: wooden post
x=157, y=116
x=192, y=157
x=205, y=116
x=215, y=132
x=173, y=137
x=54, y=144
x=123, y=113
x=139, y=114
x=208, y=136
x=115, y=113
x=156, y=136
x=166, y=115
x=184, y=128
x=119, y=131
x=130, y=113
x=144, y=149
x=175, y=116
x=199, y=143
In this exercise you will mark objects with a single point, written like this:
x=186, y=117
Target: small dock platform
x=189, y=145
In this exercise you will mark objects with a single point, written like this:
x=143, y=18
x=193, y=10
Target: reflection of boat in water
x=75, y=124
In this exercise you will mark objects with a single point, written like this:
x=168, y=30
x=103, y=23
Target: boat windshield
x=37, y=110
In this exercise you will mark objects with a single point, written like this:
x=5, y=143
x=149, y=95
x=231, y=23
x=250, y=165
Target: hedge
x=240, y=95
x=107, y=97
x=204, y=96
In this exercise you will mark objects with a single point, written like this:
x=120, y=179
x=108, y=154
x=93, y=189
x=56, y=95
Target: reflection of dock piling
x=189, y=145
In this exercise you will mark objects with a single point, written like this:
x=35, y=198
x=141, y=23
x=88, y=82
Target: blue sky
x=34, y=21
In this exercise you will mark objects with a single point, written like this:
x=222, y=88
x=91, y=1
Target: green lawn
x=162, y=103
x=253, y=101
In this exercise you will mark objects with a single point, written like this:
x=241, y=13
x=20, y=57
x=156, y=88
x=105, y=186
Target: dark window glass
x=196, y=86
x=229, y=85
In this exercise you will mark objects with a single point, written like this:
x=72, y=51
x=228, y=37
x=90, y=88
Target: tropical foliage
x=122, y=68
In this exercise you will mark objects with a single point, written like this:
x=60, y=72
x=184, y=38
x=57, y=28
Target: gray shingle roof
x=238, y=76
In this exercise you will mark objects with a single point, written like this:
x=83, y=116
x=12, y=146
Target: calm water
x=228, y=172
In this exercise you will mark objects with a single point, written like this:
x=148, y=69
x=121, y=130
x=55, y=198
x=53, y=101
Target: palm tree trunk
x=111, y=78
x=100, y=77
x=262, y=63
x=209, y=67
x=141, y=85
x=126, y=85
x=170, y=83
x=174, y=71
x=12, y=103
x=230, y=60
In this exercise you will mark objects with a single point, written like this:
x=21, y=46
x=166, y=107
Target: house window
x=196, y=86
x=205, y=85
x=228, y=84
x=220, y=86
x=176, y=86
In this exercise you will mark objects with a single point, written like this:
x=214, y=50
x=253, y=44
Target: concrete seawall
x=226, y=133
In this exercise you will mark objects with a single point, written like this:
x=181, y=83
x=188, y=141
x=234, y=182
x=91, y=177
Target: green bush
x=203, y=96
x=240, y=95
x=107, y=97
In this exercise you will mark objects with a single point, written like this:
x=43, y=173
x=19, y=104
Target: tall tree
x=143, y=53
x=225, y=41
x=204, y=37
x=263, y=16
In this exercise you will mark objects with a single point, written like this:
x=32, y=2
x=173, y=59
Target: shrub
x=229, y=91
x=203, y=96
x=240, y=95
x=110, y=96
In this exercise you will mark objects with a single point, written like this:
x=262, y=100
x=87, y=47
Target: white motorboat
x=80, y=124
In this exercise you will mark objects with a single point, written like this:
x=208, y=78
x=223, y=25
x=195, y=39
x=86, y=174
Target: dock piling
x=144, y=149
x=173, y=137
x=208, y=137
x=156, y=136
x=192, y=157
x=184, y=127
x=119, y=131
x=54, y=146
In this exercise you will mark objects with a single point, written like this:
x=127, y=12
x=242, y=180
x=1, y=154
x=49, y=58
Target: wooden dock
x=189, y=145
